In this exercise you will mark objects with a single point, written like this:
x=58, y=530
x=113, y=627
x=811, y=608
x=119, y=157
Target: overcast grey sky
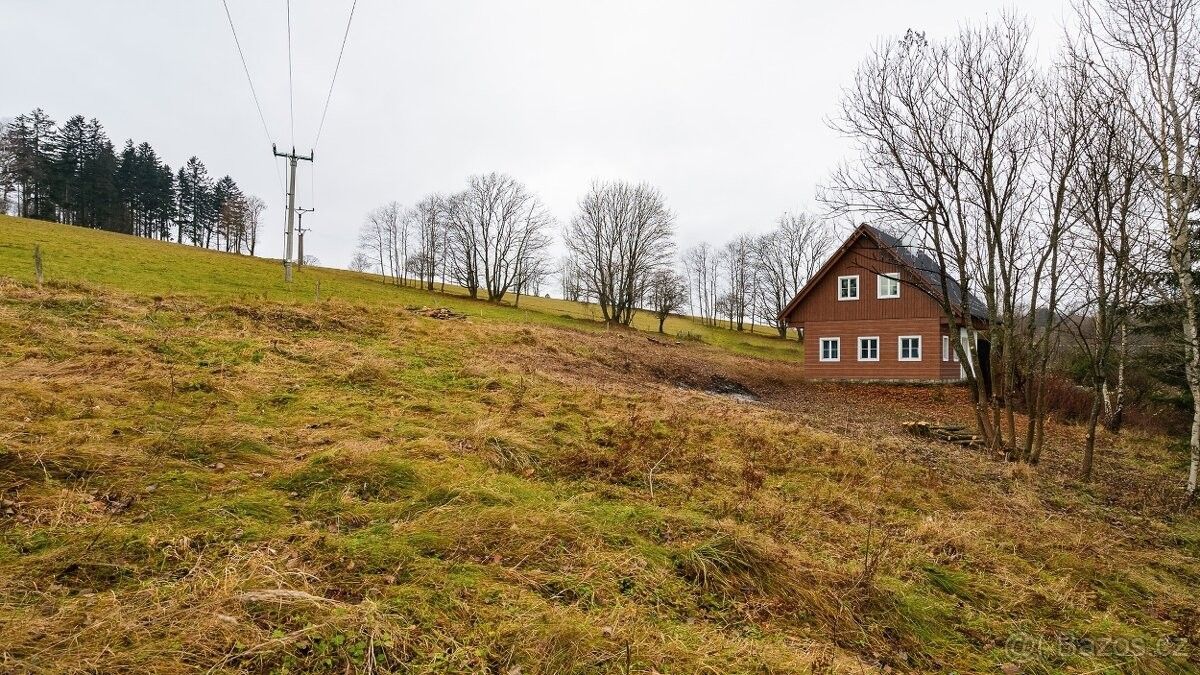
x=723, y=105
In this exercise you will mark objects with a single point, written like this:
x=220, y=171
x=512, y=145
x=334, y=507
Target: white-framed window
x=868, y=348
x=848, y=287
x=831, y=349
x=888, y=285
x=910, y=347
x=945, y=347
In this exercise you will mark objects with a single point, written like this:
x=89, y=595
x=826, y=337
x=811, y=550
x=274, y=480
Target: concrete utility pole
x=293, y=158
x=300, y=229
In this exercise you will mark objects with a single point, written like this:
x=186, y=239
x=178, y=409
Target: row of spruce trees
x=72, y=173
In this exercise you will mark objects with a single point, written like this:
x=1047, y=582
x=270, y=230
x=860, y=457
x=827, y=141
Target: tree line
x=1062, y=195
x=72, y=173
x=751, y=278
x=490, y=238
x=493, y=239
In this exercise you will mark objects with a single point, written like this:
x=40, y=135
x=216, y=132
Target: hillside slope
x=198, y=479
x=149, y=266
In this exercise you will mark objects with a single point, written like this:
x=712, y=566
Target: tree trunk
x=1089, y=448
x=1116, y=416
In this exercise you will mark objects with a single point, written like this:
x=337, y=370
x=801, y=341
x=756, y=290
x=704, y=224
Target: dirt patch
x=727, y=387
x=618, y=358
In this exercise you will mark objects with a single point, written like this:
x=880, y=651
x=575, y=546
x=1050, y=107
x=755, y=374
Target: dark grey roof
x=922, y=264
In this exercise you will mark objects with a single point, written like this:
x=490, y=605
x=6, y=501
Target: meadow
x=205, y=470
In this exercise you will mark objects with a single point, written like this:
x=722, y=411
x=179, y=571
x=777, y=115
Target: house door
x=962, y=367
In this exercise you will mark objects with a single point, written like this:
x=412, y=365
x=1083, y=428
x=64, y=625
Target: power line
x=246, y=69
x=291, y=96
x=336, y=67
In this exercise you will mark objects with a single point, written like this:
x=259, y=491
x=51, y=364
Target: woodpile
x=440, y=313
x=951, y=433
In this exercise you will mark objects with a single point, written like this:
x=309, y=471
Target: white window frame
x=894, y=276
x=900, y=348
x=945, y=348
x=857, y=288
x=821, y=349
x=860, y=347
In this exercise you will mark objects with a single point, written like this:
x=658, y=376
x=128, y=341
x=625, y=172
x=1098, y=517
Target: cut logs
x=951, y=433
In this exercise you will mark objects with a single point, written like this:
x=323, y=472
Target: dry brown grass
x=257, y=487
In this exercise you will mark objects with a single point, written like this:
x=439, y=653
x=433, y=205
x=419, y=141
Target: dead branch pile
x=440, y=313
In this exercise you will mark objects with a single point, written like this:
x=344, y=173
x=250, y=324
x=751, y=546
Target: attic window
x=848, y=287
x=889, y=285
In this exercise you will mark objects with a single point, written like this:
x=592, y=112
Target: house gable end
x=862, y=255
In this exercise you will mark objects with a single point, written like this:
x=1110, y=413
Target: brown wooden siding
x=889, y=366
x=867, y=261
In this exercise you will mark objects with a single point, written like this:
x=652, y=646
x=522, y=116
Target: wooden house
x=872, y=312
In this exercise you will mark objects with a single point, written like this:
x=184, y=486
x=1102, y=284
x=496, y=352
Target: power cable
x=336, y=68
x=253, y=93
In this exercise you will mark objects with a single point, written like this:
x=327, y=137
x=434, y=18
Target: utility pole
x=300, y=229
x=293, y=158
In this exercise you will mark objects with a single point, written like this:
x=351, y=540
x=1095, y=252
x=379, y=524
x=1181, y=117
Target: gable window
x=889, y=285
x=831, y=349
x=848, y=287
x=868, y=349
x=910, y=347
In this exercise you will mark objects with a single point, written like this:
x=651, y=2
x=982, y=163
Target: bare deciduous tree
x=786, y=258
x=361, y=262
x=377, y=236
x=949, y=133
x=737, y=259
x=700, y=263
x=255, y=206
x=497, y=227
x=1107, y=251
x=429, y=219
x=1148, y=53
x=622, y=235
x=666, y=295
x=571, y=280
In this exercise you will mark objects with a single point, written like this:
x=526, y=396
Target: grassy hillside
x=196, y=478
x=148, y=266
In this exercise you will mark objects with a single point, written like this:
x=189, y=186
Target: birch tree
x=1107, y=251
x=1148, y=53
